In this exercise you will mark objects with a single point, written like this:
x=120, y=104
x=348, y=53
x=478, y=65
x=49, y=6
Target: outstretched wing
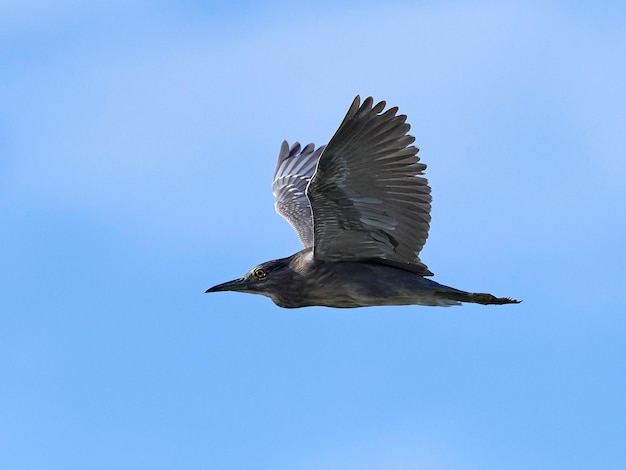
x=293, y=172
x=368, y=200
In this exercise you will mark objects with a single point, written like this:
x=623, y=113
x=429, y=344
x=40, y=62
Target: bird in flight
x=361, y=209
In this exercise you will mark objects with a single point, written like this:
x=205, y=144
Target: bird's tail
x=484, y=299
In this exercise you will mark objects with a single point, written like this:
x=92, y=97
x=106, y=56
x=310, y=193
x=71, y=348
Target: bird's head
x=265, y=279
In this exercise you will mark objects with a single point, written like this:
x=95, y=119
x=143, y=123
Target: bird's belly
x=373, y=286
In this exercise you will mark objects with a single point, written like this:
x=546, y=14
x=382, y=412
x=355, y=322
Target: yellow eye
x=260, y=273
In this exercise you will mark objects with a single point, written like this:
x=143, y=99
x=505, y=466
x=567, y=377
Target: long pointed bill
x=234, y=285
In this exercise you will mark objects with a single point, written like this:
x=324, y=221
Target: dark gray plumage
x=362, y=212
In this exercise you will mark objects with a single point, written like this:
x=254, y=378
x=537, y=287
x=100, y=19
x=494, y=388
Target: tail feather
x=483, y=299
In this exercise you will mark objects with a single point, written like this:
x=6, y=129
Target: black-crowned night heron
x=362, y=212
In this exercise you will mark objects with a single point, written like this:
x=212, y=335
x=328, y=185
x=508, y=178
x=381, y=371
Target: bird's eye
x=260, y=273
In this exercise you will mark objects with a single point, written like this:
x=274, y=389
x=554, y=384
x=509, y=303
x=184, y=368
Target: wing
x=293, y=172
x=367, y=199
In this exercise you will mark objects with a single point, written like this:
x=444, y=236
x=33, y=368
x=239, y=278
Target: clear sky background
x=137, y=145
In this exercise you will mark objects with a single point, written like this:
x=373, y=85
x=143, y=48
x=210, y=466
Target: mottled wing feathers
x=293, y=172
x=367, y=198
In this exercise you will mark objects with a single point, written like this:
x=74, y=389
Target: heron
x=360, y=206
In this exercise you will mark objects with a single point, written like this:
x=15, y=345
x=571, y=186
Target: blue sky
x=137, y=145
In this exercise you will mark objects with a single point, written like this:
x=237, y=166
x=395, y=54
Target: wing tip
x=284, y=150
